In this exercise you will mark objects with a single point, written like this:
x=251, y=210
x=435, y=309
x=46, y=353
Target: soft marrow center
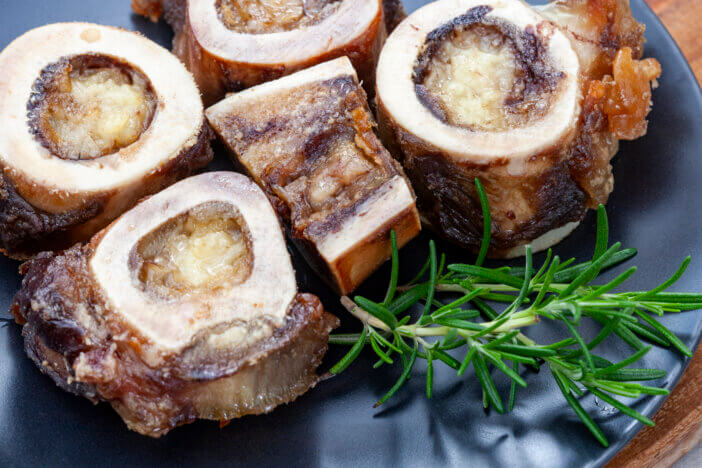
x=87, y=107
x=271, y=16
x=476, y=76
x=203, y=251
x=344, y=165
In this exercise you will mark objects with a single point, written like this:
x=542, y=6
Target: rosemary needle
x=558, y=291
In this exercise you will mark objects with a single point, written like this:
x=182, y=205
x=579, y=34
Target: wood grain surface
x=679, y=421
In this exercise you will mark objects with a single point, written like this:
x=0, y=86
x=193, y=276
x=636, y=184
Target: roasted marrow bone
x=308, y=140
x=493, y=90
x=94, y=118
x=186, y=307
x=230, y=45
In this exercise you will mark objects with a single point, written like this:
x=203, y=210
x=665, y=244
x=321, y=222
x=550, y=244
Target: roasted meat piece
x=230, y=45
x=531, y=101
x=308, y=140
x=93, y=118
x=186, y=307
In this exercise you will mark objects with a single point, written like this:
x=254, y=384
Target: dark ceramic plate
x=655, y=207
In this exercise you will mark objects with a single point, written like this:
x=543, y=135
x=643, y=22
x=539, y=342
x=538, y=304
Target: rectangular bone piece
x=308, y=141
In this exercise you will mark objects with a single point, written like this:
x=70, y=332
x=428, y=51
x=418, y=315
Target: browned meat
x=535, y=109
x=230, y=45
x=308, y=140
x=164, y=328
x=85, y=135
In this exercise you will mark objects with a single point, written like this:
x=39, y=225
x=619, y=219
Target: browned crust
x=614, y=28
x=76, y=340
x=26, y=230
x=216, y=77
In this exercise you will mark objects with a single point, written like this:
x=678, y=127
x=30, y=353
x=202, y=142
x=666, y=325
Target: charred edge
x=47, y=84
x=309, y=252
x=175, y=12
x=27, y=230
x=450, y=204
x=52, y=324
x=529, y=47
x=52, y=337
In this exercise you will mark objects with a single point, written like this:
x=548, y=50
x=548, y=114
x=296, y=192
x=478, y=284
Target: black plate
x=655, y=207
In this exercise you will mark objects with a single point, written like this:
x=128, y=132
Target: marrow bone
x=185, y=307
x=308, y=140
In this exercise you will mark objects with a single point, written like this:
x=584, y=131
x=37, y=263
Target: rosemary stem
x=492, y=287
x=412, y=331
x=362, y=315
x=531, y=296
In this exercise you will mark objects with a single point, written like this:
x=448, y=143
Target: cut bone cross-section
x=492, y=90
x=230, y=45
x=186, y=307
x=94, y=118
x=308, y=140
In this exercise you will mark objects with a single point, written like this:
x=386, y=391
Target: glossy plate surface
x=656, y=207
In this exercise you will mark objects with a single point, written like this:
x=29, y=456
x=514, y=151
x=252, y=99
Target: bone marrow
x=89, y=106
x=203, y=250
x=478, y=76
x=494, y=90
x=265, y=17
x=308, y=140
x=169, y=314
x=230, y=45
x=94, y=118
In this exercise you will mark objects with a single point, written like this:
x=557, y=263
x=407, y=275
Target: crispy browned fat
x=230, y=45
x=93, y=118
x=308, y=140
x=532, y=101
x=185, y=307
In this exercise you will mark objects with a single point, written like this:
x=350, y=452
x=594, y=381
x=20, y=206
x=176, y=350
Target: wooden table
x=679, y=421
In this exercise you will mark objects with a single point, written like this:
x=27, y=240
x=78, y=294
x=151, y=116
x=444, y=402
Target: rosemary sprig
x=558, y=291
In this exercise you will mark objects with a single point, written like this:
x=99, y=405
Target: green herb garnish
x=559, y=291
